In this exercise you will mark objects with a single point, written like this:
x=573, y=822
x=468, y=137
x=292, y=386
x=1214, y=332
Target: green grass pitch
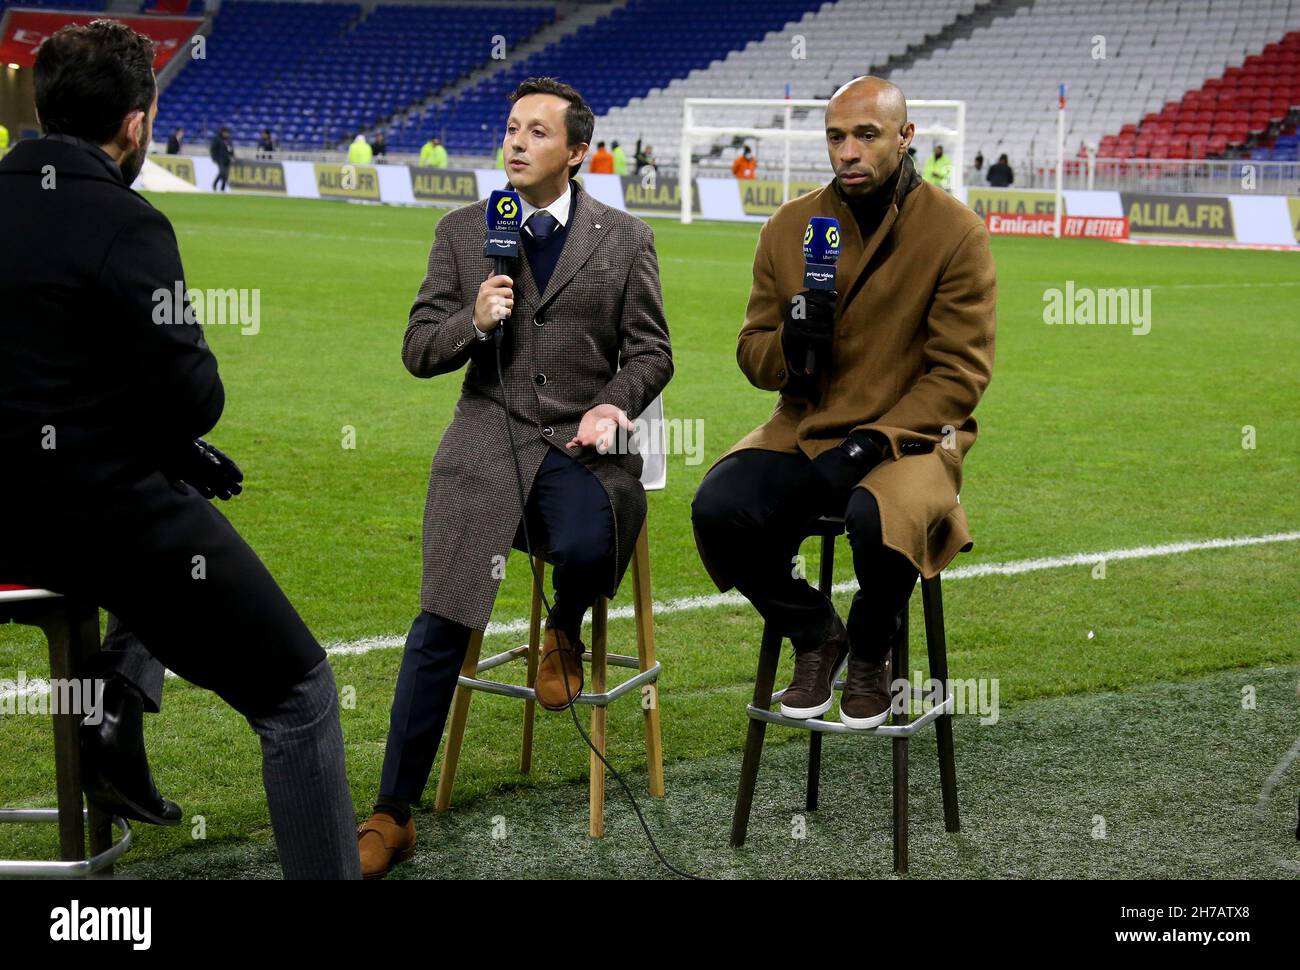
x=1121, y=697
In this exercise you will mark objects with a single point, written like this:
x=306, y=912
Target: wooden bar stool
x=72, y=632
x=900, y=728
x=595, y=694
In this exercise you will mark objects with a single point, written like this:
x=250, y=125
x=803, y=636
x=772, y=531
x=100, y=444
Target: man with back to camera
x=101, y=399
x=902, y=350
x=586, y=350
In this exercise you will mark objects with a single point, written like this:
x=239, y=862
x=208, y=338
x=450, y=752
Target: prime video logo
x=102, y=924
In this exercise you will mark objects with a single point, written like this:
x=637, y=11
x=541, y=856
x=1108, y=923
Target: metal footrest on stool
x=528, y=694
x=79, y=867
x=838, y=727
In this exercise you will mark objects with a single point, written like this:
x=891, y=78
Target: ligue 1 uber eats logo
x=507, y=208
x=832, y=243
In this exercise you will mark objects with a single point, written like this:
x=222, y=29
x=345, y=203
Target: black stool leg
x=937, y=646
x=825, y=579
x=85, y=644
x=769, y=654
x=899, y=662
x=63, y=636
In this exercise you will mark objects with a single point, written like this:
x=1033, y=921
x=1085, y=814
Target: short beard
x=131, y=163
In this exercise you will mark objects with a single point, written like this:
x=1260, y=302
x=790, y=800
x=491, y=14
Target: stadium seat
x=899, y=730
x=594, y=691
x=72, y=634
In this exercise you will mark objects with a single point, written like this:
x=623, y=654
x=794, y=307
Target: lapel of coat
x=583, y=236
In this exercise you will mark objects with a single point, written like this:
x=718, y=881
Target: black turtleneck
x=869, y=210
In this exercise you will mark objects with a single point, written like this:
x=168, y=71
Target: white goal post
x=952, y=128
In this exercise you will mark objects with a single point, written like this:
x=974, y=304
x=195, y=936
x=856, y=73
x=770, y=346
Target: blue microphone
x=503, y=221
x=821, y=251
x=504, y=217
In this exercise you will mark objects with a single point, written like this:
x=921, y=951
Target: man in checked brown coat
x=585, y=351
x=902, y=351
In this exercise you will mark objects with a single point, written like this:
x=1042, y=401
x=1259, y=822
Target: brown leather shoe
x=866, y=702
x=559, y=672
x=812, y=687
x=383, y=843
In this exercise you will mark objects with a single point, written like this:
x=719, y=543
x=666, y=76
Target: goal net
x=788, y=141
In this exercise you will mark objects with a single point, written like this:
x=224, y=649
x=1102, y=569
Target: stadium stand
x=1178, y=79
x=1007, y=69
x=1250, y=103
x=836, y=49
x=628, y=53
x=349, y=71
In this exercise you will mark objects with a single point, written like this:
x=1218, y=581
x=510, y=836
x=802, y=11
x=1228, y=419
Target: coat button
x=539, y=321
x=540, y=379
x=548, y=431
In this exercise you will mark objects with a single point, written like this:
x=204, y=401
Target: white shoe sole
x=862, y=723
x=804, y=713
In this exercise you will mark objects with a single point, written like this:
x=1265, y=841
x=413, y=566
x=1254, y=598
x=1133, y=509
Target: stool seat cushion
x=13, y=593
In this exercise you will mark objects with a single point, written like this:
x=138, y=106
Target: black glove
x=206, y=469
x=827, y=482
x=806, y=332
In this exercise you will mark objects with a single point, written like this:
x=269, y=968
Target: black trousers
x=168, y=565
x=123, y=655
x=170, y=568
x=222, y=179
x=731, y=512
x=570, y=519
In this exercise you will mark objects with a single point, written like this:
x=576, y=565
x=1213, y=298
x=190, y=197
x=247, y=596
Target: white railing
x=1217, y=176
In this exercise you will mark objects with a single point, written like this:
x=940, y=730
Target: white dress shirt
x=559, y=209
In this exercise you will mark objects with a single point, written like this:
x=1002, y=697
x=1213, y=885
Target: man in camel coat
x=877, y=430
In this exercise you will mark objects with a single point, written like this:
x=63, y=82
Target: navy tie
x=541, y=224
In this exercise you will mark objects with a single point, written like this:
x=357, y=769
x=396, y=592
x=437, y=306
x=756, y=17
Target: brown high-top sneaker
x=812, y=686
x=865, y=702
x=383, y=843
x=559, y=672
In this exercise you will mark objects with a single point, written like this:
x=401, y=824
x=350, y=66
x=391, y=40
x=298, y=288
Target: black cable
x=541, y=591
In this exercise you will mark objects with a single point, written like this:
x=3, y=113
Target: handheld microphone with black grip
x=821, y=251
x=502, y=243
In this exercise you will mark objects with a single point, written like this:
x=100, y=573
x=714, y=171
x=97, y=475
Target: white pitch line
x=976, y=570
x=688, y=603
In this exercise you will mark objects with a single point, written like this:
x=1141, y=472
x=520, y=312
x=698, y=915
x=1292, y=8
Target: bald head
x=875, y=94
x=867, y=133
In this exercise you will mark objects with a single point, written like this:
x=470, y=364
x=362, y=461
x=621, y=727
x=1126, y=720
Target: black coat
x=1000, y=175
x=82, y=261
x=221, y=152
